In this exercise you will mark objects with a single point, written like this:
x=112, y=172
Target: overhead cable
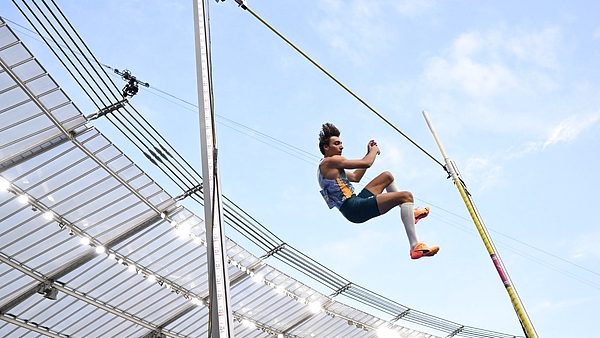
x=340, y=83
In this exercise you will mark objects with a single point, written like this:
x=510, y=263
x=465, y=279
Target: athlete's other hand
x=372, y=144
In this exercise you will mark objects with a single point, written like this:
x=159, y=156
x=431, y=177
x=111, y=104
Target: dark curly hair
x=327, y=131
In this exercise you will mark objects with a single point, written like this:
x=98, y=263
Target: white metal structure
x=221, y=321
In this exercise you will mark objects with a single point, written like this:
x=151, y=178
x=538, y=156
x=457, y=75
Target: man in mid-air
x=334, y=178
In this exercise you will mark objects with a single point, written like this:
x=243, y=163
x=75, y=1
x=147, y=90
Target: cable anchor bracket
x=341, y=290
x=189, y=192
x=106, y=110
x=273, y=251
x=241, y=3
x=401, y=315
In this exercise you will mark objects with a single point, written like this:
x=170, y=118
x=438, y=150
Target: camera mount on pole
x=131, y=88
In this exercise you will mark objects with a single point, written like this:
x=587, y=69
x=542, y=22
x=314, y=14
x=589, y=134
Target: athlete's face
x=335, y=146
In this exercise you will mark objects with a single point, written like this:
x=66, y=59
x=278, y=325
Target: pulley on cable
x=239, y=2
x=131, y=88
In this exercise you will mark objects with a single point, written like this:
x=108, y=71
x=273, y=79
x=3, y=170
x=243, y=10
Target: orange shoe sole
x=421, y=213
x=421, y=250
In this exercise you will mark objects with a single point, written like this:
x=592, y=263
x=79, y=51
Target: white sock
x=392, y=187
x=407, y=214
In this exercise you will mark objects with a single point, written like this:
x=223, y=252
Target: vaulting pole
x=487, y=241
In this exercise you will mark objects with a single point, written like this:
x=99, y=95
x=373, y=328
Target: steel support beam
x=31, y=152
x=81, y=297
x=221, y=318
x=158, y=332
x=306, y=317
x=30, y=326
x=76, y=263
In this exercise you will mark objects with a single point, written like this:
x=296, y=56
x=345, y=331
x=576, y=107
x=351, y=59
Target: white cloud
x=474, y=78
x=527, y=148
x=540, y=48
x=412, y=7
x=563, y=304
x=488, y=171
x=353, y=27
x=460, y=68
x=565, y=131
x=482, y=64
x=483, y=172
x=352, y=251
x=587, y=247
x=569, y=128
x=393, y=156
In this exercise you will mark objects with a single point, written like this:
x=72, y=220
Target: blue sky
x=512, y=89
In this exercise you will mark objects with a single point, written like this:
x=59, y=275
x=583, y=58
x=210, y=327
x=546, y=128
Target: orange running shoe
x=421, y=213
x=422, y=250
x=432, y=251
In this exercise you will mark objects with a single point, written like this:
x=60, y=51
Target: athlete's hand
x=372, y=144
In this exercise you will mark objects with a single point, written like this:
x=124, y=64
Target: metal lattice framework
x=91, y=246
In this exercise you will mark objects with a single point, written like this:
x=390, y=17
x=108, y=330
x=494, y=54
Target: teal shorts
x=360, y=208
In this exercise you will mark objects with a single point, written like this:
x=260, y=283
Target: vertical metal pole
x=220, y=315
x=487, y=240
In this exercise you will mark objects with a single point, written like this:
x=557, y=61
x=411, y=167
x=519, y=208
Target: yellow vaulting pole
x=487, y=241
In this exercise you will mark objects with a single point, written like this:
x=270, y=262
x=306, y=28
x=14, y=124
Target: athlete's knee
x=407, y=197
x=401, y=197
x=388, y=176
